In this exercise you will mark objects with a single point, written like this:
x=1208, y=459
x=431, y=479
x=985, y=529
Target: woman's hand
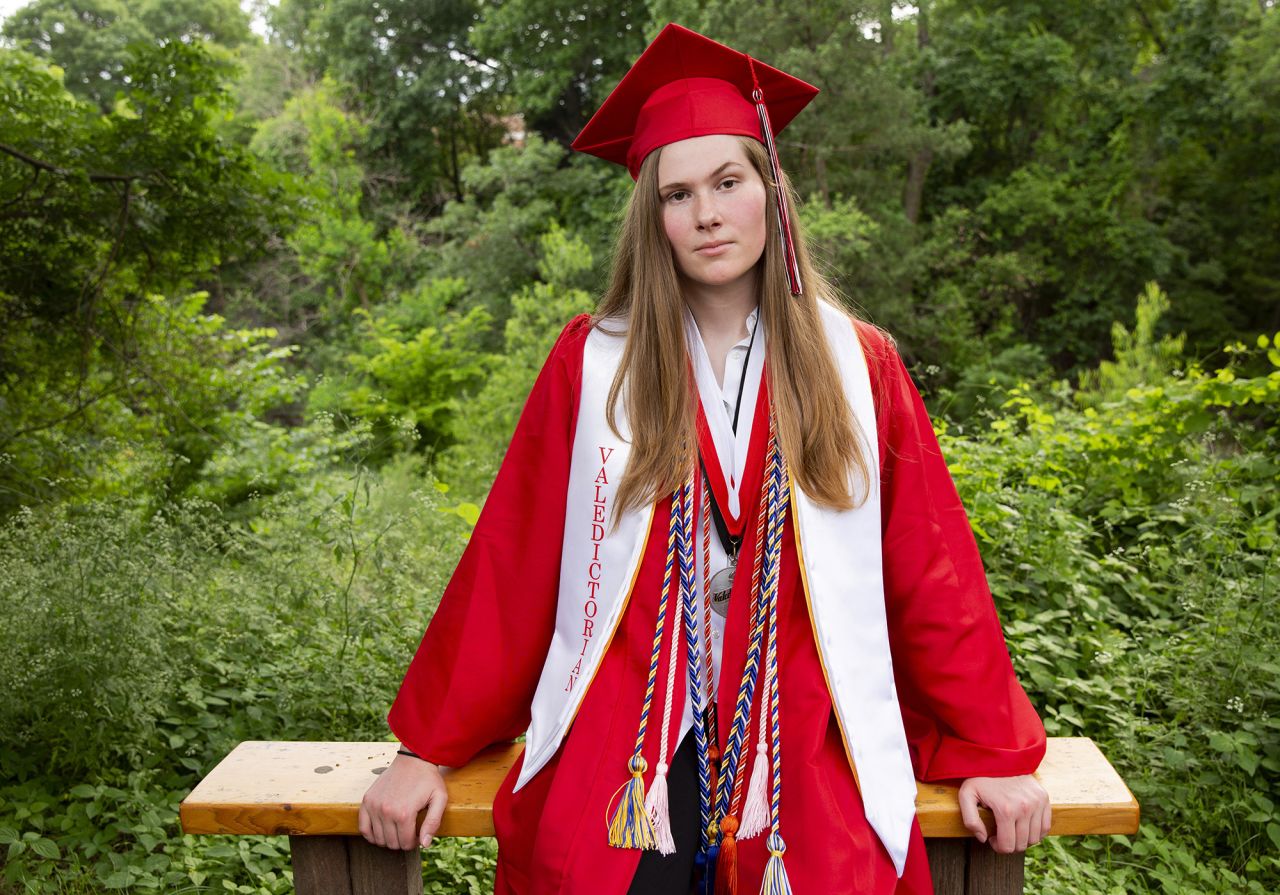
x=1020, y=806
x=389, y=810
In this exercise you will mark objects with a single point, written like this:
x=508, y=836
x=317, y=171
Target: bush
x=83, y=628
x=1129, y=531
x=145, y=649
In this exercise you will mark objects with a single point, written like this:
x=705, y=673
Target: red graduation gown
x=472, y=680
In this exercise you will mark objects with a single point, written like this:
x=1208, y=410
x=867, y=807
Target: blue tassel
x=704, y=865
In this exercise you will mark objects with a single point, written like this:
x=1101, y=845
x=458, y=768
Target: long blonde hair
x=821, y=440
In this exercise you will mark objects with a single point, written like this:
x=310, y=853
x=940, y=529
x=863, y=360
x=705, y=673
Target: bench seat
x=311, y=792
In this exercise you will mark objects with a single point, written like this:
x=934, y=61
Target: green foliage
x=105, y=607
x=841, y=233
x=1130, y=537
x=192, y=631
x=517, y=194
x=460, y=866
x=411, y=380
x=578, y=48
x=143, y=432
x=87, y=239
x=409, y=68
x=339, y=261
x=97, y=366
x=87, y=39
x=1140, y=356
x=539, y=313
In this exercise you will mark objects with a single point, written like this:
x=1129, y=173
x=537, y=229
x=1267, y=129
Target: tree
x=100, y=216
x=560, y=60
x=409, y=70
x=88, y=38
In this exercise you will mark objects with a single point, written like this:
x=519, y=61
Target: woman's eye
x=729, y=182
x=676, y=195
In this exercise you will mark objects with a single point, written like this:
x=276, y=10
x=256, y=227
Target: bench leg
x=349, y=865
x=991, y=873
x=948, y=859
x=969, y=867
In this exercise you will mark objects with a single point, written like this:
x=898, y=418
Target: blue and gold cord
x=630, y=826
x=775, y=876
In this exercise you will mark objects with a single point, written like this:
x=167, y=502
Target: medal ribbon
x=728, y=526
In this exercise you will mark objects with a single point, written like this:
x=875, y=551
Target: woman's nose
x=707, y=213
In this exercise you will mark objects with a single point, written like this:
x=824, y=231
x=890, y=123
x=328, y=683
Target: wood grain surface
x=1086, y=795
x=311, y=789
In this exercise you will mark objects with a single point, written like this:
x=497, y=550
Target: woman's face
x=713, y=209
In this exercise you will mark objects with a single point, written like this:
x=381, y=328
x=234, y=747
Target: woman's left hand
x=1020, y=806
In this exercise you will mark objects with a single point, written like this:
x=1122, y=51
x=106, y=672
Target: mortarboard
x=687, y=85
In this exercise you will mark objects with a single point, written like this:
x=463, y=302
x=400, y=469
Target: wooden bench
x=311, y=793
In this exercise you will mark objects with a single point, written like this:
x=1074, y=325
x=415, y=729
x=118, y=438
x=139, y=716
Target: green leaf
x=117, y=880
x=1248, y=761
x=468, y=511
x=1222, y=742
x=46, y=848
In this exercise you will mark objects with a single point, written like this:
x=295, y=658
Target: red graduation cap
x=687, y=85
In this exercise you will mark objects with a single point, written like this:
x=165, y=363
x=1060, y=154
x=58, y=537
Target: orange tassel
x=713, y=758
x=727, y=862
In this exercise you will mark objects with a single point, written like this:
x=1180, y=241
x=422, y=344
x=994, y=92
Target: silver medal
x=721, y=587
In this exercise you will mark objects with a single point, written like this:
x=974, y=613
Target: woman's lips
x=713, y=248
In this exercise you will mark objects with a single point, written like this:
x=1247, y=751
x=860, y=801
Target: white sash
x=840, y=554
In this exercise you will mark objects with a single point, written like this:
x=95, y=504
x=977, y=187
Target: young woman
x=723, y=552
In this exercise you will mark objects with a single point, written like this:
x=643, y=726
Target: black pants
x=660, y=874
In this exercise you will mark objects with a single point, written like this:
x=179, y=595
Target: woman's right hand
x=389, y=810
